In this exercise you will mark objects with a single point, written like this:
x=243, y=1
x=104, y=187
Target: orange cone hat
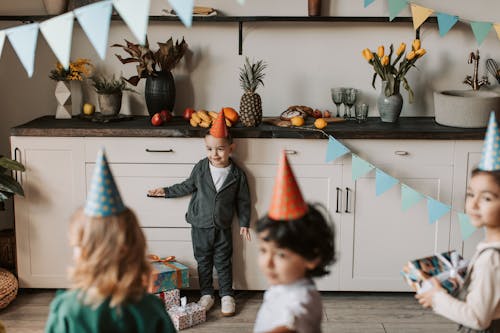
x=219, y=128
x=287, y=202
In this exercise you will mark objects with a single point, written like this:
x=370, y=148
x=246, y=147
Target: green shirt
x=68, y=314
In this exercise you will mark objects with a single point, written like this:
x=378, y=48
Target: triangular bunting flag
x=481, y=30
x=497, y=29
x=368, y=2
x=436, y=209
x=395, y=6
x=23, y=40
x=383, y=182
x=420, y=14
x=136, y=15
x=2, y=40
x=58, y=32
x=466, y=228
x=335, y=149
x=359, y=167
x=241, y=2
x=184, y=9
x=409, y=197
x=94, y=20
x=446, y=22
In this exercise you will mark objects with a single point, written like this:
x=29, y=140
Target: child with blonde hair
x=111, y=272
x=476, y=307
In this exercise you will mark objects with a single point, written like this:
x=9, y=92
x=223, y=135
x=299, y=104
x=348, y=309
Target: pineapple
x=250, y=104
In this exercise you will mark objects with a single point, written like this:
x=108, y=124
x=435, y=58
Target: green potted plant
x=8, y=185
x=109, y=93
x=156, y=67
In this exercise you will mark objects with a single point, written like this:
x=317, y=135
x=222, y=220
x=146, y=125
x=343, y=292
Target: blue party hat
x=490, y=159
x=103, y=199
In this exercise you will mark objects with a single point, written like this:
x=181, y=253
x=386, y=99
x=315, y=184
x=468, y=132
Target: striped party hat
x=103, y=199
x=287, y=202
x=490, y=159
x=219, y=128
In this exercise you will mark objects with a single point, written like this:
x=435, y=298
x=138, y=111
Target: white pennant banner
x=58, y=32
x=23, y=39
x=2, y=40
x=183, y=9
x=135, y=13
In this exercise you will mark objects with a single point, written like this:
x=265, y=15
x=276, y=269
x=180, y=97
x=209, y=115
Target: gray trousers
x=214, y=247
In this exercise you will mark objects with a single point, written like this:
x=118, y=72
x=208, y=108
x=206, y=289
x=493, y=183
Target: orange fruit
x=320, y=123
x=297, y=121
x=230, y=114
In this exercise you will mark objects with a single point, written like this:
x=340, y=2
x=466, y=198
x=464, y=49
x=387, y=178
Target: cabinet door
x=378, y=238
x=54, y=185
x=318, y=184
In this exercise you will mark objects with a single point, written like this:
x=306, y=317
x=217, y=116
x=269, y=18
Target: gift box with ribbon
x=187, y=315
x=448, y=267
x=167, y=274
x=170, y=298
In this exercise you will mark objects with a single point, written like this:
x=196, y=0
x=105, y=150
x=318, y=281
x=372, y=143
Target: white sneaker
x=206, y=301
x=227, y=306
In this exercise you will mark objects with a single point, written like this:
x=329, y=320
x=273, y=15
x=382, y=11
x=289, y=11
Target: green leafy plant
x=150, y=63
x=8, y=185
x=112, y=85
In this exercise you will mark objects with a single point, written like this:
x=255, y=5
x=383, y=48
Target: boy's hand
x=245, y=232
x=157, y=192
x=425, y=299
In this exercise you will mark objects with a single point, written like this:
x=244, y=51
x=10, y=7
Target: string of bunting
x=384, y=182
x=95, y=21
x=480, y=29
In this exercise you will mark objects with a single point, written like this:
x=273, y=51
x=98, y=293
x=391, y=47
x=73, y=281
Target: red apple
x=165, y=116
x=188, y=113
x=326, y=114
x=156, y=120
x=317, y=114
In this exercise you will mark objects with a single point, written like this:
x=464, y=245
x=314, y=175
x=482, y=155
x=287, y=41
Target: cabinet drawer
x=410, y=152
x=146, y=150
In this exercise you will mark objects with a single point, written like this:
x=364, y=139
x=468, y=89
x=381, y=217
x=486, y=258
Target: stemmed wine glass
x=349, y=99
x=338, y=96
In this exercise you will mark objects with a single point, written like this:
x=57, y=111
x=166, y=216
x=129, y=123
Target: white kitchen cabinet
x=54, y=188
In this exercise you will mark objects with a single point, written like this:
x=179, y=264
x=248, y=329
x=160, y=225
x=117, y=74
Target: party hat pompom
x=103, y=199
x=287, y=202
x=219, y=128
x=490, y=159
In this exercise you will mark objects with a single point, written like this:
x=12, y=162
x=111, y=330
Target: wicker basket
x=8, y=287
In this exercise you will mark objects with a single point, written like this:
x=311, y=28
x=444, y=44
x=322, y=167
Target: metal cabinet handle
x=159, y=151
x=401, y=153
x=291, y=152
x=16, y=151
x=347, y=200
x=338, y=200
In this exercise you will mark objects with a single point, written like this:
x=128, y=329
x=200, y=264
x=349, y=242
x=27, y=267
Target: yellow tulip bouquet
x=393, y=72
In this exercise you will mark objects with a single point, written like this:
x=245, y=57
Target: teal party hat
x=490, y=159
x=103, y=199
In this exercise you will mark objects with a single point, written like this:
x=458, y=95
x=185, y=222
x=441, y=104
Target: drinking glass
x=349, y=99
x=361, y=112
x=338, y=98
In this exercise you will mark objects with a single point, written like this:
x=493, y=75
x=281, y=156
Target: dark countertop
x=139, y=126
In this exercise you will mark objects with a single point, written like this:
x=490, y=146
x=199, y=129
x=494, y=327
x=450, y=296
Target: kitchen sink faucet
x=473, y=81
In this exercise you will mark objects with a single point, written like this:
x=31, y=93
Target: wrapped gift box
x=187, y=315
x=168, y=275
x=448, y=267
x=170, y=298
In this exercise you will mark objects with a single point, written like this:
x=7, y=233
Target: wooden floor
x=343, y=312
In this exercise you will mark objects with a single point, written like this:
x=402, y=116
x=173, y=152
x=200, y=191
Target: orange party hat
x=287, y=202
x=219, y=128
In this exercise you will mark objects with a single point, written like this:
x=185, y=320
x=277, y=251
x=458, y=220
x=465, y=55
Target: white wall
x=304, y=59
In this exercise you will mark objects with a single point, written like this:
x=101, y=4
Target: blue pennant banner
x=445, y=22
x=395, y=7
x=383, y=182
x=94, y=20
x=409, y=197
x=23, y=39
x=335, y=149
x=436, y=209
x=241, y=2
x=368, y=2
x=136, y=15
x=184, y=9
x=58, y=32
x=466, y=228
x=359, y=167
x=481, y=30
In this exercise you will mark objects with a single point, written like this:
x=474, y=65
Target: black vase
x=160, y=92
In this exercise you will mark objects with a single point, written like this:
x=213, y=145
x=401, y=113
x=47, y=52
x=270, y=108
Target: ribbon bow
x=155, y=258
x=454, y=266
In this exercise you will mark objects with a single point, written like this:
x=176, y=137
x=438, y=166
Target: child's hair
x=311, y=236
x=228, y=138
x=112, y=261
x=495, y=174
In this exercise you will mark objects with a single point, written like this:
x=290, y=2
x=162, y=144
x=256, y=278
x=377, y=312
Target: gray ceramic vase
x=389, y=107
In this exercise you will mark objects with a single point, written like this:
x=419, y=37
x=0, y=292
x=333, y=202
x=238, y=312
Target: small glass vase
x=389, y=107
